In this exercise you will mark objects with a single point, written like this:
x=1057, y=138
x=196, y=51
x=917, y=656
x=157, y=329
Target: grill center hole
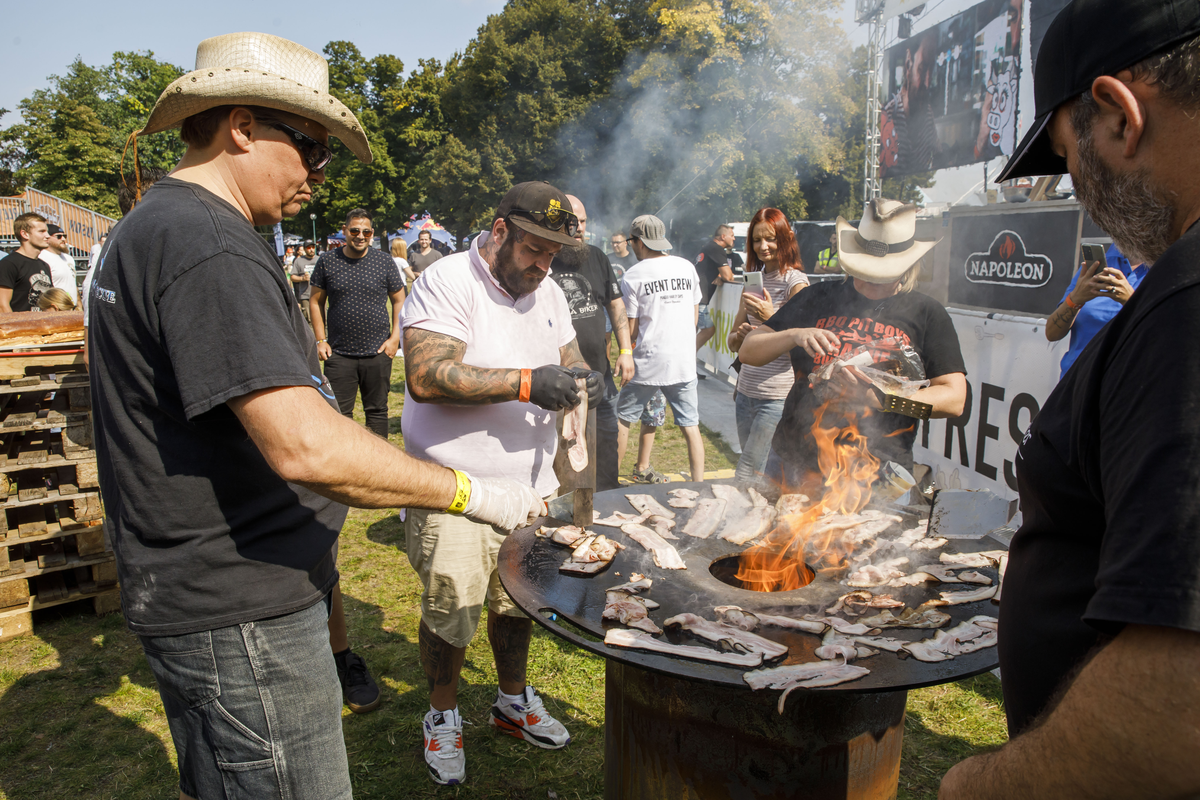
x=782, y=578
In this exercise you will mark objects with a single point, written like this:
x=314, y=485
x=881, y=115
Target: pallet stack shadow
x=51, y=524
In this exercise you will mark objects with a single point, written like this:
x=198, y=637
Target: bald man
x=586, y=277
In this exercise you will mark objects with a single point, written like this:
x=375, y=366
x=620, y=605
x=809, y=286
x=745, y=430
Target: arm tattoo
x=570, y=356
x=509, y=637
x=620, y=322
x=1063, y=316
x=435, y=373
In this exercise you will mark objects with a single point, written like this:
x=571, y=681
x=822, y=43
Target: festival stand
x=52, y=544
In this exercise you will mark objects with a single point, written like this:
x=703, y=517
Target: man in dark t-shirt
x=223, y=462
x=586, y=277
x=1100, y=616
x=24, y=276
x=422, y=256
x=714, y=268
x=362, y=339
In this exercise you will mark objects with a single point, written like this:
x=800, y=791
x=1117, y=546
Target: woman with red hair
x=771, y=249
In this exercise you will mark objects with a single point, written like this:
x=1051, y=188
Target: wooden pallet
x=29, y=363
x=19, y=621
x=46, y=446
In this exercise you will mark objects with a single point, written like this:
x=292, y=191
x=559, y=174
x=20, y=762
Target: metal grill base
x=670, y=738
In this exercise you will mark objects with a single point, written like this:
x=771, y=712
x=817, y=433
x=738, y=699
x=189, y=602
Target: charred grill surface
x=529, y=571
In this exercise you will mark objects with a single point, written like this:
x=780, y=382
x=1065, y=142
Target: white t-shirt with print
x=662, y=294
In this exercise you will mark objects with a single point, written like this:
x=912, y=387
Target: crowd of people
x=228, y=459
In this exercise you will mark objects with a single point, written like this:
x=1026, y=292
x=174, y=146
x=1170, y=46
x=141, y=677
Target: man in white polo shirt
x=662, y=298
x=490, y=356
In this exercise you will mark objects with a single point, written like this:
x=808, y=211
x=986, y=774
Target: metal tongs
x=902, y=405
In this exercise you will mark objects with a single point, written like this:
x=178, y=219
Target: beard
x=569, y=258
x=1128, y=207
x=515, y=280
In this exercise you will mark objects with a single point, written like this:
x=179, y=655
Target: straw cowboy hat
x=884, y=247
x=258, y=69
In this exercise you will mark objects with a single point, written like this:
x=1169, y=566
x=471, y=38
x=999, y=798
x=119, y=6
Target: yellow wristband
x=626, y=352
x=462, y=493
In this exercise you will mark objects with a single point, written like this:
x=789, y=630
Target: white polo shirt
x=662, y=294
x=458, y=296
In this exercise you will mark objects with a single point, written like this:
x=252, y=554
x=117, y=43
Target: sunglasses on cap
x=316, y=155
x=556, y=219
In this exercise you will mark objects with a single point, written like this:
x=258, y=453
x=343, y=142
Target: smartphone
x=754, y=283
x=1095, y=252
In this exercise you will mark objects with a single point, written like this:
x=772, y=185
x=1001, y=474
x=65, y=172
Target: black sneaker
x=359, y=690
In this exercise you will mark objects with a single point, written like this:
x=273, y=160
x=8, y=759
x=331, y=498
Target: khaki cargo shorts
x=456, y=560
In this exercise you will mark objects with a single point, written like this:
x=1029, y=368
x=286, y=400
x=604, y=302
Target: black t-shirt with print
x=587, y=279
x=708, y=264
x=1108, y=475
x=27, y=277
x=913, y=318
x=358, y=320
x=190, y=309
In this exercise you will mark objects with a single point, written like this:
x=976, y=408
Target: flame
x=848, y=470
x=1008, y=247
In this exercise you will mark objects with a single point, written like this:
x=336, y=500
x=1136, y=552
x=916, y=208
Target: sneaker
x=529, y=720
x=444, y=747
x=648, y=475
x=359, y=690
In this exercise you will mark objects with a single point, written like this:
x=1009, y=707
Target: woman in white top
x=771, y=248
x=400, y=256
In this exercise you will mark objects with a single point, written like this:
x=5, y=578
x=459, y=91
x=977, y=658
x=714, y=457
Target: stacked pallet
x=52, y=544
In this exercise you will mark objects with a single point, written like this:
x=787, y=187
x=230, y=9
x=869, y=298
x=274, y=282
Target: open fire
x=780, y=563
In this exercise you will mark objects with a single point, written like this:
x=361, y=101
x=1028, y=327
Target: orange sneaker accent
x=532, y=719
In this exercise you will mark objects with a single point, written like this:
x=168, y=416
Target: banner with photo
x=952, y=92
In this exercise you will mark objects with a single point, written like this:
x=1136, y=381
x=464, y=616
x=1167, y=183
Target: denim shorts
x=705, y=319
x=255, y=709
x=681, y=397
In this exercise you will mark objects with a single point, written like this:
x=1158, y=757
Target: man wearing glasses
x=362, y=338
x=622, y=257
x=62, y=267
x=225, y=466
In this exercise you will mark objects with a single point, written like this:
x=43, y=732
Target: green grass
x=80, y=716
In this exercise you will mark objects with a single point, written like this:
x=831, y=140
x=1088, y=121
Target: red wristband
x=1067, y=300
x=526, y=379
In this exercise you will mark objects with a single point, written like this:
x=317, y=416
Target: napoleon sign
x=1006, y=263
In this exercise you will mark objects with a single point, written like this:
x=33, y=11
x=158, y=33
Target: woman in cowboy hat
x=874, y=306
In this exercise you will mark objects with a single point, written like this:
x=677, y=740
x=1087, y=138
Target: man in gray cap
x=662, y=298
x=1100, y=623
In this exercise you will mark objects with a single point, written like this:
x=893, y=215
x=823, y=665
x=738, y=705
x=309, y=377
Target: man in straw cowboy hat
x=875, y=308
x=224, y=463
x=1100, y=623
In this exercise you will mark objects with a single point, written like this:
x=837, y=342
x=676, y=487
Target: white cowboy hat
x=884, y=247
x=258, y=69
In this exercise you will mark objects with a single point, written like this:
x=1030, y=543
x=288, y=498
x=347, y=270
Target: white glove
x=504, y=503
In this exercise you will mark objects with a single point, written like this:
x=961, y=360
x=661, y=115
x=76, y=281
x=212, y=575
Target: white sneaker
x=529, y=720
x=444, y=747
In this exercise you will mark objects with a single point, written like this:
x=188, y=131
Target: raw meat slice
x=617, y=519
x=662, y=532
x=592, y=555
x=755, y=523
x=706, y=518
x=967, y=637
x=665, y=556
x=841, y=626
x=566, y=535
x=811, y=675
x=909, y=618
x=649, y=506
x=974, y=577
x=756, y=498
x=637, y=583
x=986, y=558
x=629, y=610
x=637, y=640
x=682, y=498
x=728, y=637
x=837, y=645
x=663, y=526
x=857, y=602
x=871, y=575
x=791, y=504
x=730, y=495
x=930, y=544
x=749, y=620
x=575, y=427
x=958, y=598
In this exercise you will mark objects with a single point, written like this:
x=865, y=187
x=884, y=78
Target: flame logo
x=1007, y=247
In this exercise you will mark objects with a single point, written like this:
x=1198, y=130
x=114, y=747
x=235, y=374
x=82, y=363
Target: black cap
x=53, y=229
x=1087, y=39
x=546, y=206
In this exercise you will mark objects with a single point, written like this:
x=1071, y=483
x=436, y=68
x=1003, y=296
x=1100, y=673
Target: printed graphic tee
x=662, y=294
x=586, y=278
x=27, y=277
x=913, y=318
x=190, y=309
x=358, y=288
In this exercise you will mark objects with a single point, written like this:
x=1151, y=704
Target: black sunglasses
x=360, y=231
x=555, y=220
x=316, y=155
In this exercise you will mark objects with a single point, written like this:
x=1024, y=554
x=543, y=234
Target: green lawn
x=80, y=717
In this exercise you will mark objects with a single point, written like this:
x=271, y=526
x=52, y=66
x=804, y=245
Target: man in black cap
x=1100, y=621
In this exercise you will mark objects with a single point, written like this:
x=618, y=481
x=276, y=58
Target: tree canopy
x=700, y=111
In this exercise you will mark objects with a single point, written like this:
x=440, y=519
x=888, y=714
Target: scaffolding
x=871, y=12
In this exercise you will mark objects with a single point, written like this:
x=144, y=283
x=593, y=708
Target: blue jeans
x=756, y=422
x=255, y=709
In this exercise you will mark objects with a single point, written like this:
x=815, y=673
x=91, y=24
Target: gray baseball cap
x=651, y=230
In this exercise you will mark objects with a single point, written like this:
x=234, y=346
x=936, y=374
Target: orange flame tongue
x=778, y=564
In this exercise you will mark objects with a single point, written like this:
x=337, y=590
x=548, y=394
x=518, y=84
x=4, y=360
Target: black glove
x=595, y=386
x=553, y=388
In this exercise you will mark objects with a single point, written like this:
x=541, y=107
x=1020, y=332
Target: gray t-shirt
x=419, y=262
x=303, y=267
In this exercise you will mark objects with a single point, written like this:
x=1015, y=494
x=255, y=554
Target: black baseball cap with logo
x=540, y=209
x=1087, y=39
